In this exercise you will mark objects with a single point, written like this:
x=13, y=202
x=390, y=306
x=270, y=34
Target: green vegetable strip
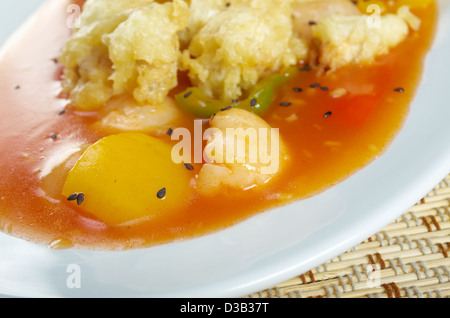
x=258, y=100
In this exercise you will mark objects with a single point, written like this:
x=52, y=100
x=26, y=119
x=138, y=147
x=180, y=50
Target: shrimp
x=122, y=114
x=242, y=152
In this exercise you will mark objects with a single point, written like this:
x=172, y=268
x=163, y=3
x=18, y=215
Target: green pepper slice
x=258, y=101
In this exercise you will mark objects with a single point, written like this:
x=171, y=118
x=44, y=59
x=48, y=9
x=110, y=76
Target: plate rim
x=284, y=269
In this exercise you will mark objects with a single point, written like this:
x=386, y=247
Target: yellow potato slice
x=128, y=177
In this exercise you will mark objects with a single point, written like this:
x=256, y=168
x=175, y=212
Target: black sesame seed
x=62, y=112
x=170, y=132
x=324, y=88
x=187, y=94
x=17, y=87
x=298, y=89
x=253, y=102
x=161, y=193
x=80, y=198
x=305, y=67
x=399, y=89
x=226, y=108
x=327, y=114
x=53, y=136
x=234, y=101
x=285, y=104
x=311, y=22
x=189, y=166
x=314, y=85
x=72, y=197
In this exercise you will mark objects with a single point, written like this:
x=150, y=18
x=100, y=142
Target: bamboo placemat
x=410, y=258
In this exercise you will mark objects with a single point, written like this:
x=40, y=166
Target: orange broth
x=324, y=149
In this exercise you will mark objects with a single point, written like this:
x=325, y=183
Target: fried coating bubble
x=132, y=48
x=240, y=45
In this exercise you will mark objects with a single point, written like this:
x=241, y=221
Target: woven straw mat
x=409, y=258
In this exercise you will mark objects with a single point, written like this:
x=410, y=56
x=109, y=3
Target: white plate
x=269, y=248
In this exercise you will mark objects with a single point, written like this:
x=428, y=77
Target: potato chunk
x=240, y=45
x=122, y=178
x=243, y=152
